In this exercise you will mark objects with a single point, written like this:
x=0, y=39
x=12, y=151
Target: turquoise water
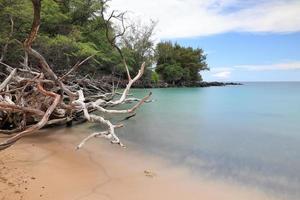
x=248, y=134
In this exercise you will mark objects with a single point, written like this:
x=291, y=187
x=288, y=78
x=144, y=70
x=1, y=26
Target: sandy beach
x=47, y=166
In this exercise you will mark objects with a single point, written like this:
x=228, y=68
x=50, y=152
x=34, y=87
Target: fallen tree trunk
x=32, y=99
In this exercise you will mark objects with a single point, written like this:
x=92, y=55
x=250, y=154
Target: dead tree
x=31, y=99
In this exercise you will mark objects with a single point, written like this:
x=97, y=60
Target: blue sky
x=249, y=56
x=245, y=40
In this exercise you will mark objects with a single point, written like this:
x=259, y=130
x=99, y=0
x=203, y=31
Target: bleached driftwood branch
x=33, y=99
x=110, y=133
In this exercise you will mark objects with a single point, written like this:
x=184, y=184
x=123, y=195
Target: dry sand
x=47, y=166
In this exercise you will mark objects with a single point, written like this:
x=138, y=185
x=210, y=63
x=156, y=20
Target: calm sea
x=248, y=134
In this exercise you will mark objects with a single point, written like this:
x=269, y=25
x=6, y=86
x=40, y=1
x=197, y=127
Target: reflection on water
x=248, y=134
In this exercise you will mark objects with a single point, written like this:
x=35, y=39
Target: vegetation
x=73, y=30
x=179, y=65
x=45, y=42
x=154, y=77
x=34, y=96
x=138, y=47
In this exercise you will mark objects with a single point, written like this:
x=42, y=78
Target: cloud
x=294, y=65
x=187, y=18
x=222, y=75
x=225, y=73
x=221, y=72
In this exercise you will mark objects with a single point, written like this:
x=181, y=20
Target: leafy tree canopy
x=70, y=30
x=180, y=65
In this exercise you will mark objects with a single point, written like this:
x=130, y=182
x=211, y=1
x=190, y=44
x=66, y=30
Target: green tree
x=180, y=65
x=154, y=77
x=70, y=31
x=15, y=23
x=138, y=46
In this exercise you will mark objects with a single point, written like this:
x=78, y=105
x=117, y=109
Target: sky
x=245, y=40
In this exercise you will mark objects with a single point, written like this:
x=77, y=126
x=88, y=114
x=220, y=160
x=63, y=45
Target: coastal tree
x=137, y=43
x=70, y=30
x=179, y=65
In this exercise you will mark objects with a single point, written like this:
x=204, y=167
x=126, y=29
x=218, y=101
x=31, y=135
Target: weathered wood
x=37, y=126
x=6, y=81
x=34, y=99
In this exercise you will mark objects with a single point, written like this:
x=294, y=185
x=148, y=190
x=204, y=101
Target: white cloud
x=222, y=75
x=187, y=18
x=225, y=73
x=278, y=66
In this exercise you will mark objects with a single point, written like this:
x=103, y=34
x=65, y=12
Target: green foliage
x=20, y=12
x=154, y=77
x=138, y=47
x=171, y=73
x=179, y=65
x=70, y=31
x=54, y=20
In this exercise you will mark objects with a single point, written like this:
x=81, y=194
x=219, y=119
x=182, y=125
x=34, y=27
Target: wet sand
x=47, y=166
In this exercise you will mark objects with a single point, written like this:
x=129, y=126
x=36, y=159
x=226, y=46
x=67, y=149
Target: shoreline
x=47, y=166
x=201, y=84
x=161, y=84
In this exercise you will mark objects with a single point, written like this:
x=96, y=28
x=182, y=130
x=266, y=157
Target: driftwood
x=32, y=99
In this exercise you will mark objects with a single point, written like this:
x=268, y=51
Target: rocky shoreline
x=161, y=84
x=199, y=84
x=215, y=83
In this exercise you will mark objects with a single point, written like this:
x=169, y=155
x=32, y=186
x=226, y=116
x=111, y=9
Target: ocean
x=247, y=134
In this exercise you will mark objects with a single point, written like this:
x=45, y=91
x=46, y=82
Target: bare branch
x=75, y=67
x=128, y=86
x=37, y=126
x=112, y=40
x=6, y=81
